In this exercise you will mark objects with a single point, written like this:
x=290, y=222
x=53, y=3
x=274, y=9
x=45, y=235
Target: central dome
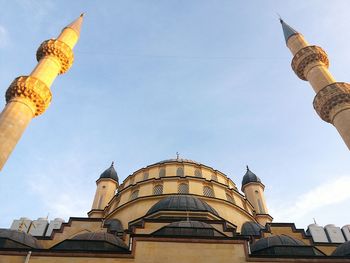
x=181, y=203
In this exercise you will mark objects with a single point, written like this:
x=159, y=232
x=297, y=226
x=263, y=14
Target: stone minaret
x=332, y=100
x=29, y=96
x=253, y=189
x=107, y=185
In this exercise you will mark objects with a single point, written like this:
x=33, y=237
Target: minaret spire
x=29, y=96
x=310, y=63
x=288, y=31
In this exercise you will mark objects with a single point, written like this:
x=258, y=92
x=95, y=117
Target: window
x=158, y=189
x=208, y=191
x=183, y=188
x=214, y=177
x=197, y=173
x=180, y=172
x=261, y=209
x=132, y=179
x=134, y=195
x=162, y=172
x=230, y=198
x=145, y=175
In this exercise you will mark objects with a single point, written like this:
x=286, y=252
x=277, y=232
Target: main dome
x=182, y=203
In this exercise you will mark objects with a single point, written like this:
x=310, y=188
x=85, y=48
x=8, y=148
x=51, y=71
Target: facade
x=175, y=210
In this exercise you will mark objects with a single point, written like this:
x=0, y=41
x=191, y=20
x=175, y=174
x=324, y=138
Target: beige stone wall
x=104, y=193
x=255, y=195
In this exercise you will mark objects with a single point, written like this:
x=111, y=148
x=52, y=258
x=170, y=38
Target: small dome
x=100, y=236
x=342, y=250
x=110, y=173
x=181, y=203
x=250, y=177
x=20, y=237
x=251, y=228
x=188, y=229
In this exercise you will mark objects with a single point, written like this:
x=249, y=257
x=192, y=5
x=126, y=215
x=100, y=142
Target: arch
x=230, y=198
x=183, y=188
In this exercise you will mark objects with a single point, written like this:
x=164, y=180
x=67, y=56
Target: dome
x=182, y=203
x=19, y=237
x=342, y=250
x=100, y=236
x=189, y=229
x=283, y=245
x=179, y=160
x=110, y=173
x=250, y=177
x=251, y=228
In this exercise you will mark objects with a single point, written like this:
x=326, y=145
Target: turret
x=107, y=184
x=253, y=189
x=310, y=63
x=29, y=96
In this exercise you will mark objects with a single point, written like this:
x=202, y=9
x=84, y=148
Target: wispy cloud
x=328, y=193
x=4, y=37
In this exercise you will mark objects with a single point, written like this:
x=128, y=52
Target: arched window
x=208, y=191
x=158, y=189
x=145, y=175
x=183, y=188
x=197, y=173
x=230, y=198
x=134, y=195
x=180, y=172
x=132, y=179
x=214, y=177
x=162, y=172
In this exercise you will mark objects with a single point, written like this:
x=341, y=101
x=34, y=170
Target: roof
x=20, y=237
x=288, y=31
x=251, y=228
x=181, y=203
x=93, y=241
x=250, y=177
x=342, y=250
x=189, y=229
x=110, y=173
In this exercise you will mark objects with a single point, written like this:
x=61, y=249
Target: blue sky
x=210, y=79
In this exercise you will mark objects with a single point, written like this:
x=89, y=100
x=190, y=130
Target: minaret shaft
x=29, y=96
x=332, y=100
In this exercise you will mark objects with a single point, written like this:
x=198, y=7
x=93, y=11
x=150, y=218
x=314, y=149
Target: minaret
x=253, y=189
x=29, y=96
x=332, y=100
x=107, y=184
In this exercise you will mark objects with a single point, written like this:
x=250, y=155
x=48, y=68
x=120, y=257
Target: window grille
x=208, y=191
x=162, y=172
x=230, y=198
x=158, y=189
x=183, y=188
x=180, y=172
x=197, y=173
x=134, y=195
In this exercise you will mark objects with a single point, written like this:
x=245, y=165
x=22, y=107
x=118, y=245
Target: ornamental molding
x=331, y=100
x=30, y=89
x=308, y=57
x=59, y=50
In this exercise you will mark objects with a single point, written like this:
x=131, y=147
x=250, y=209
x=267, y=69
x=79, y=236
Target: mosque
x=175, y=210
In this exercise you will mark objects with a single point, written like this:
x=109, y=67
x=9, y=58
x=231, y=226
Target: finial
x=177, y=155
x=288, y=31
x=82, y=14
x=279, y=17
x=112, y=164
x=247, y=168
x=314, y=221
